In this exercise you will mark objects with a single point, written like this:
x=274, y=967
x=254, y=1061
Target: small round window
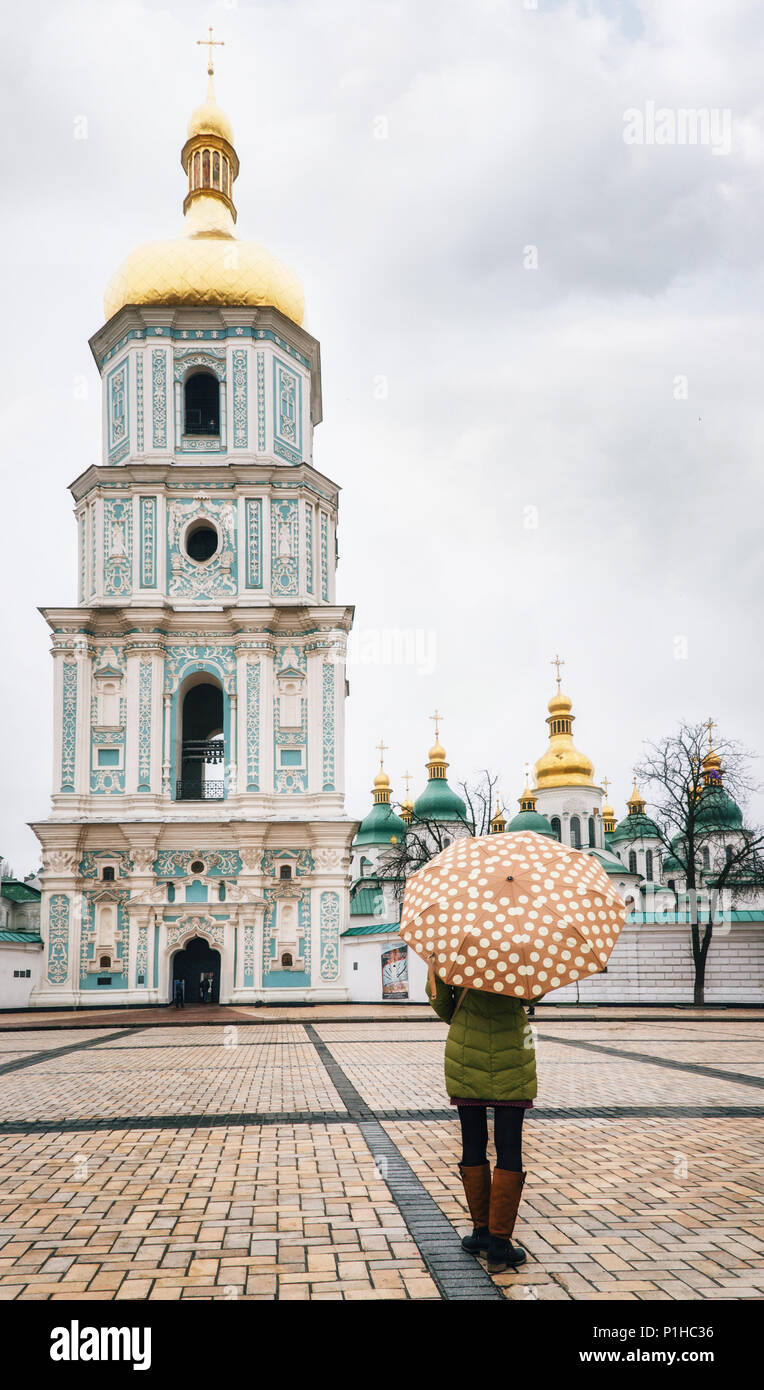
x=201, y=541
x=197, y=867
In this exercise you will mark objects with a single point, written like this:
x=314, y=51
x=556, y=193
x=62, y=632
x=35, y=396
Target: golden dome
x=381, y=780
x=205, y=270
x=636, y=802
x=563, y=765
x=437, y=753
x=560, y=704
x=208, y=119
x=207, y=264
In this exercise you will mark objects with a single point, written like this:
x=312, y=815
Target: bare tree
x=687, y=788
x=427, y=836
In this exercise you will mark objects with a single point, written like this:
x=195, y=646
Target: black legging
x=507, y=1133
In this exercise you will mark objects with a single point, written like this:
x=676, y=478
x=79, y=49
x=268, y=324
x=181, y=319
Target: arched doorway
x=196, y=960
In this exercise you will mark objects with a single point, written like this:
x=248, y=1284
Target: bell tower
x=200, y=681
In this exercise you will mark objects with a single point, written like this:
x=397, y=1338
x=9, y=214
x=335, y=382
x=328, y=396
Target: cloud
x=508, y=388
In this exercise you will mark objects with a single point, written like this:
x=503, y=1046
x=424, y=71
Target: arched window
x=221, y=892
x=108, y=872
x=575, y=832
x=728, y=853
x=286, y=958
x=201, y=395
x=171, y=892
x=592, y=833
x=672, y=885
x=649, y=865
x=216, y=170
x=104, y=963
x=632, y=861
x=201, y=751
x=285, y=871
x=556, y=827
x=706, y=857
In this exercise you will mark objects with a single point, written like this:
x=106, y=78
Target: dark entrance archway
x=196, y=960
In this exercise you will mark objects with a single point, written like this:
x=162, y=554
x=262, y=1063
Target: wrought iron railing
x=191, y=789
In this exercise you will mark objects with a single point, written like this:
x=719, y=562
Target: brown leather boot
x=506, y=1191
x=477, y=1190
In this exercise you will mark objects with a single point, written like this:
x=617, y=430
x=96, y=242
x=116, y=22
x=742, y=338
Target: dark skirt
x=518, y=1104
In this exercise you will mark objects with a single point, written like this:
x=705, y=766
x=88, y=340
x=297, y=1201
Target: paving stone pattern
x=311, y=1155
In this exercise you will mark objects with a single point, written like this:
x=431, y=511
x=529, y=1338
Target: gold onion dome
x=437, y=755
x=382, y=781
x=563, y=765
x=207, y=264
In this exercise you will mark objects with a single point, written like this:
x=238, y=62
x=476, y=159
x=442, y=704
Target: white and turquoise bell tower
x=197, y=824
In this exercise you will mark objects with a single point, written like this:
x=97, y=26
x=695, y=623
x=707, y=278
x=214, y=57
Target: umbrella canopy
x=516, y=914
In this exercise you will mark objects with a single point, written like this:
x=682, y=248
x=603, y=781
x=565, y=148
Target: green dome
x=381, y=826
x=438, y=802
x=637, y=827
x=671, y=865
x=717, y=811
x=532, y=820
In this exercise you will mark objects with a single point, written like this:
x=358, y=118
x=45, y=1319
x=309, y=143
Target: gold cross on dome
x=437, y=717
x=710, y=725
x=407, y=779
x=382, y=748
x=558, y=662
x=606, y=784
x=211, y=43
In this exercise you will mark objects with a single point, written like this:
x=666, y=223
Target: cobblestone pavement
x=312, y=1155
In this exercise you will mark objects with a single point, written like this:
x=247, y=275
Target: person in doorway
x=490, y=1061
x=177, y=994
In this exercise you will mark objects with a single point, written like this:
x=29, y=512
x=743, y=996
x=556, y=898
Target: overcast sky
x=615, y=388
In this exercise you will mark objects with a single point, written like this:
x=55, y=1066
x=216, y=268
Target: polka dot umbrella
x=515, y=914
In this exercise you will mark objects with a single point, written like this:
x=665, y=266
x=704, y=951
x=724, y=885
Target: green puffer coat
x=489, y=1048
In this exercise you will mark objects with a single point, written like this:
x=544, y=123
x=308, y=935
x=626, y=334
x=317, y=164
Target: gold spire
x=636, y=802
x=211, y=43
x=436, y=764
x=608, y=814
x=498, y=822
x=407, y=805
x=562, y=765
x=206, y=264
x=528, y=797
x=556, y=661
x=381, y=786
x=210, y=160
x=712, y=763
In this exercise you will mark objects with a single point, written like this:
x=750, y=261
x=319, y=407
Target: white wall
x=653, y=965
x=365, y=982
x=14, y=994
x=649, y=965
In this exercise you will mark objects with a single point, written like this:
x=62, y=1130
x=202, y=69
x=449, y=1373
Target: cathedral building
x=652, y=961
x=197, y=829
